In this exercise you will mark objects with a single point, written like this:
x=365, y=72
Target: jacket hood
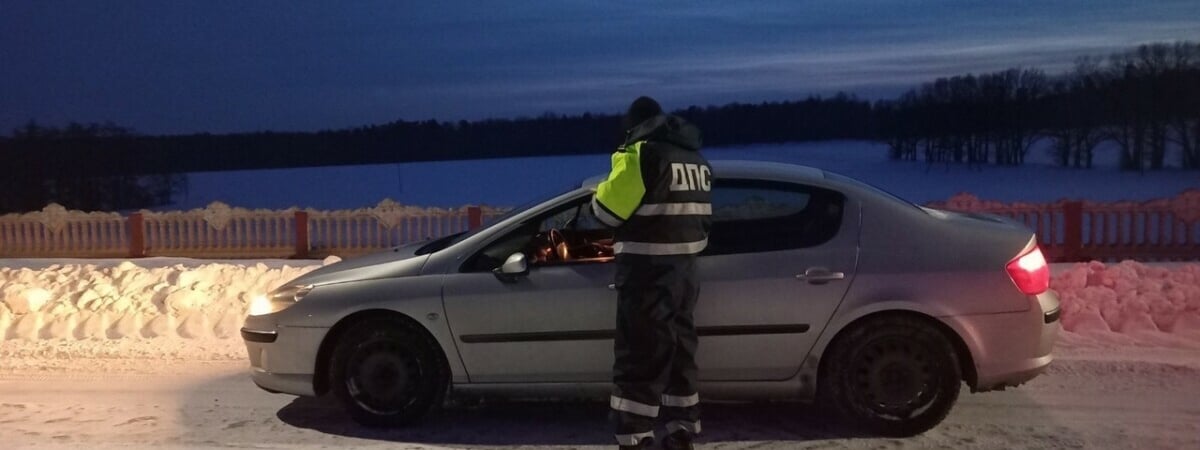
x=666, y=128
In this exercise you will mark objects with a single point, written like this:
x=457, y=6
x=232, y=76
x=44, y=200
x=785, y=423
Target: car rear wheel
x=895, y=376
x=387, y=373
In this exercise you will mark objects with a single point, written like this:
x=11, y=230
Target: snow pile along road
x=51, y=313
x=1130, y=301
x=188, y=310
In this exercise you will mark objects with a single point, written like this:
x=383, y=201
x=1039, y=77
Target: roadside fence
x=221, y=231
x=1072, y=230
x=1068, y=230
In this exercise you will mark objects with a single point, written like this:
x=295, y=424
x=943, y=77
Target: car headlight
x=278, y=300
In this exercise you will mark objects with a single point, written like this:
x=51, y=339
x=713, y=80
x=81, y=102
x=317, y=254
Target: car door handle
x=612, y=287
x=818, y=275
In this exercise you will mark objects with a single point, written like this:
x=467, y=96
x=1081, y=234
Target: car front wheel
x=387, y=373
x=895, y=376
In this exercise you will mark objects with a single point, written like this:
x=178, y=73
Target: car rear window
x=759, y=216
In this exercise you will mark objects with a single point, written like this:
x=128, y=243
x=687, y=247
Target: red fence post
x=137, y=235
x=1072, y=231
x=474, y=217
x=302, y=243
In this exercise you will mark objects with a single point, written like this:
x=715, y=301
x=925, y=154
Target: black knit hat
x=642, y=109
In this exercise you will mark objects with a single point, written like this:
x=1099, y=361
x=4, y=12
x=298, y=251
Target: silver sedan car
x=815, y=287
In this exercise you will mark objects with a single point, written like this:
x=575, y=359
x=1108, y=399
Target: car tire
x=387, y=373
x=893, y=376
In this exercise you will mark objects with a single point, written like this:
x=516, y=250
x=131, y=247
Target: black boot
x=645, y=443
x=679, y=440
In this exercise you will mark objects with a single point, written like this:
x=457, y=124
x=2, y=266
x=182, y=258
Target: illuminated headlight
x=278, y=300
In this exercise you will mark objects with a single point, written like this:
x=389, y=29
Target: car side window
x=576, y=217
x=760, y=216
x=567, y=234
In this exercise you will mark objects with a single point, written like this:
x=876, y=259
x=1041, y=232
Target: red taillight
x=1030, y=272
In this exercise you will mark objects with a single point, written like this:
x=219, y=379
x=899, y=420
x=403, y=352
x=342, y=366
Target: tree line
x=1146, y=100
x=90, y=166
x=30, y=184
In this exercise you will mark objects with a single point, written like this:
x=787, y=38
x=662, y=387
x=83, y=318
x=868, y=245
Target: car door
x=554, y=324
x=780, y=258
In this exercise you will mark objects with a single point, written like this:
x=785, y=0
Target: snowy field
x=514, y=181
x=145, y=354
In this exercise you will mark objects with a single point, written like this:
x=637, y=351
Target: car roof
x=761, y=170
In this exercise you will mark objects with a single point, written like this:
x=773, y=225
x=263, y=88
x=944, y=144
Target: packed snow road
x=1090, y=398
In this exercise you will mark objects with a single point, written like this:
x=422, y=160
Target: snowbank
x=1129, y=303
x=145, y=309
x=53, y=311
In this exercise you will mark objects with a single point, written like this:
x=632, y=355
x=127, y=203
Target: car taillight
x=1030, y=272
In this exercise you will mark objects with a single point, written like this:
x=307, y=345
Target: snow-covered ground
x=1086, y=401
x=54, y=311
x=514, y=181
x=145, y=354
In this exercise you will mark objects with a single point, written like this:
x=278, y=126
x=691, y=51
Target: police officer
x=657, y=196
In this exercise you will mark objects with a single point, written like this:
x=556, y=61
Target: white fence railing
x=56, y=232
x=221, y=231
x=1069, y=230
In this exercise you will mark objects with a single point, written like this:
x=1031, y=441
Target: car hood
x=396, y=262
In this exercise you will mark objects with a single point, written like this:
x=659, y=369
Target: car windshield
x=446, y=241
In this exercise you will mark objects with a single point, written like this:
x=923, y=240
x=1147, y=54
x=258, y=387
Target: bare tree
x=1074, y=119
x=1182, y=86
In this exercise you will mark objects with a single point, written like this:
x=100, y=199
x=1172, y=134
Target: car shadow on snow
x=565, y=423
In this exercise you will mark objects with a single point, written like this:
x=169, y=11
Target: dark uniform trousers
x=654, y=373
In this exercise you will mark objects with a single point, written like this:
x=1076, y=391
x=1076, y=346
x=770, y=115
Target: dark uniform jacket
x=657, y=195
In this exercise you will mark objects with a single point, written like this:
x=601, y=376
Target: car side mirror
x=515, y=266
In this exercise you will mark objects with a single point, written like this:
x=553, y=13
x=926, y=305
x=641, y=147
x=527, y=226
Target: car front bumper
x=1009, y=349
x=283, y=359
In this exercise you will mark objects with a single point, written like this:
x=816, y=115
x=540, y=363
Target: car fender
x=419, y=298
x=843, y=319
